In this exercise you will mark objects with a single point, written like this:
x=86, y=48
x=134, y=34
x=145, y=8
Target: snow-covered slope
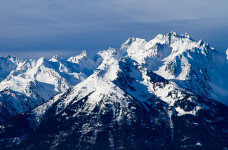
x=28, y=83
x=145, y=95
x=122, y=105
x=194, y=65
x=85, y=63
x=7, y=64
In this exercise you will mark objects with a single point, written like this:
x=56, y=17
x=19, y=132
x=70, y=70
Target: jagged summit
x=33, y=81
x=174, y=34
x=186, y=35
x=54, y=58
x=155, y=94
x=179, y=58
x=76, y=59
x=124, y=110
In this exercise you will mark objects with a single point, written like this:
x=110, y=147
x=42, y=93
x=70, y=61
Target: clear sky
x=34, y=28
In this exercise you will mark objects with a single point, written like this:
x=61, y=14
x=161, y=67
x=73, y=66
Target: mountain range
x=167, y=93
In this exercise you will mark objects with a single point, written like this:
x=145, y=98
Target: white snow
x=187, y=64
x=227, y=54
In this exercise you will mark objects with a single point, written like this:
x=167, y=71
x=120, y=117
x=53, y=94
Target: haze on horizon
x=30, y=28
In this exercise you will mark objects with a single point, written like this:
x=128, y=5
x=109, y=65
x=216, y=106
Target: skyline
x=32, y=28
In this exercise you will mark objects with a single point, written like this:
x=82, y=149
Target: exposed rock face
x=145, y=95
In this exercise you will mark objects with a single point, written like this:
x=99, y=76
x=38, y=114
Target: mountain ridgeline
x=169, y=93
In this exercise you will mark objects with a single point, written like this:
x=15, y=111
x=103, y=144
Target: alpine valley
x=169, y=93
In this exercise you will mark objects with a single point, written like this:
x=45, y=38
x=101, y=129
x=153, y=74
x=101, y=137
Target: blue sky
x=31, y=28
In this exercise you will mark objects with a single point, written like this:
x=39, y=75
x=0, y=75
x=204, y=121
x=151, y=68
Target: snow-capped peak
x=175, y=57
x=83, y=54
x=178, y=58
x=129, y=41
x=172, y=33
x=79, y=57
x=160, y=88
x=54, y=58
x=186, y=35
